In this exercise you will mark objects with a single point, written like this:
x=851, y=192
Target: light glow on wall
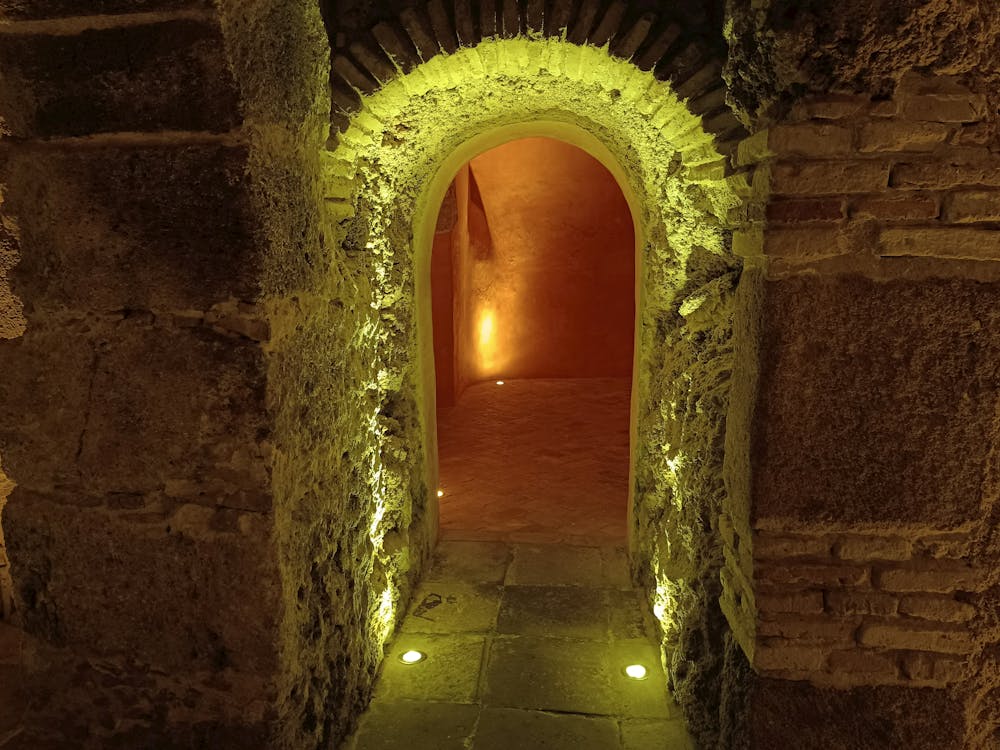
x=486, y=343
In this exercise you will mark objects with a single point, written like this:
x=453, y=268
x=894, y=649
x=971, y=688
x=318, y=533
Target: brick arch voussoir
x=672, y=48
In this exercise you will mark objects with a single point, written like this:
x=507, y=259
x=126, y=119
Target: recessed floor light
x=636, y=672
x=412, y=656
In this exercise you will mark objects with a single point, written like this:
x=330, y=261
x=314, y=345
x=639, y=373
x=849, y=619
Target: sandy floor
x=536, y=461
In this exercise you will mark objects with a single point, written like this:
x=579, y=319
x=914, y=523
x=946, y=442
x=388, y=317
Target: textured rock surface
x=780, y=49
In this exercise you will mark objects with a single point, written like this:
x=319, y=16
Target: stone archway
x=360, y=338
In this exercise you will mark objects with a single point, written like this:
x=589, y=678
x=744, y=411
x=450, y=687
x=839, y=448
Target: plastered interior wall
x=553, y=293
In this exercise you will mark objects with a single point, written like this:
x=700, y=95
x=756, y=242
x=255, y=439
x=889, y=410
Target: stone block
x=808, y=629
x=831, y=107
x=971, y=206
x=169, y=591
x=872, y=548
x=945, y=107
x=165, y=227
x=44, y=397
x=865, y=411
x=866, y=664
x=934, y=668
x=941, y=578
x=805, y=574
x=846, y=603
x=896, y=136
x=914, y=637
x=961, y=243
x=777, y=546
x=817, y=140
x=904, y=207
x=778, y=655
x=829, y=177
x=180, y=409
x=37, y=9
x=942, y=175
x=874, y=718
x=798, y=602
x=938, y=608
x=806, y=211
x=812, y=242
x=171, y=75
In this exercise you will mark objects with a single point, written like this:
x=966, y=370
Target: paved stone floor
x=536, y=461
x=525, y=648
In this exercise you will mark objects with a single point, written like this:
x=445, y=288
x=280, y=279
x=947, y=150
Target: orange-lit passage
x=533, y=276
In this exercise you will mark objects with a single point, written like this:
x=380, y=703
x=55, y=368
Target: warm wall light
x=636, y=672
x=499, y=382
x=440, y=493
x=412, y=656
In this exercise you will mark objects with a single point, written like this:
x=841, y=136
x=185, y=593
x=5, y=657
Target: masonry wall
x=873, y=454
x=132, y=408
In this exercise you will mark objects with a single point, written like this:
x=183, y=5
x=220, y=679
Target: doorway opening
x=533, y=303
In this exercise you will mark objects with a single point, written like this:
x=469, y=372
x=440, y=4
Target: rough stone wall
x=132, y=410
x=873, y=458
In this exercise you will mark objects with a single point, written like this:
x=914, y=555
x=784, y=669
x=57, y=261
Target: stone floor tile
x=662, y=734
x=469, y=562
x=440, y=607
x=627, y=615
x=550, y=674
x=512, y=729
x=415, y=725
x=615, y=567
x=450, y=673
x=644, y=699
x=559, y=611
x=555, y=565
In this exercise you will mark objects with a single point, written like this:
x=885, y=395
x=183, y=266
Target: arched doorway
x=384, y=182
x=533, y=286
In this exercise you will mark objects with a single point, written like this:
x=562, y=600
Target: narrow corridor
x=525, y=646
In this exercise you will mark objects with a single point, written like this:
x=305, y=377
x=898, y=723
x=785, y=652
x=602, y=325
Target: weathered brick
x=799, y=602
x=843, y=603
x=776, y=655
x=822, y=629
x=811, y=242
x=171, y=75
x=872, y=548
x=810, y=139
x=970, y=244
x=939, y=608
x=829, y=177
x=945, y=107
x=915, y=637
x=806, y=211
x=863, y=662
x=942, y=579
x=955, y=546
x=896, y=208
x=831, y=107
x=894, y=135
x=812, y=575
x=940, y=175
x=925, y=667
x=972, y=206
x=780, y=546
